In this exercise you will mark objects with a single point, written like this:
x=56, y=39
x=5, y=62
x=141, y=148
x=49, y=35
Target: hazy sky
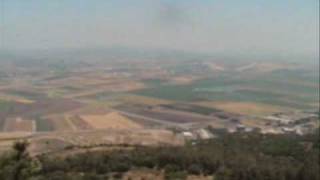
x=237, y=26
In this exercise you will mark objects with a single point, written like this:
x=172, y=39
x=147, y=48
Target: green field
x=287, y=89
x=43, y=125
x=5, y=105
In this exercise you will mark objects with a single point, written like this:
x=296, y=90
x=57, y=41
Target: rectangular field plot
x=163, y=114
x=243, y=108
x=191, y=108
x=111, y=120
x=43, y=125
x=19, y=125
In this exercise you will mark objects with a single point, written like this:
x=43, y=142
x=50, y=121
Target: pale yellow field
x=244, y=108
x=110, y=120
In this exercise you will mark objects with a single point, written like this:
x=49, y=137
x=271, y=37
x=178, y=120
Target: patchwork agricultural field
x=169, y=93
x=159, y=90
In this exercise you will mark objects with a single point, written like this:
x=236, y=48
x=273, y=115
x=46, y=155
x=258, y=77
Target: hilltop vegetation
x=233, y=156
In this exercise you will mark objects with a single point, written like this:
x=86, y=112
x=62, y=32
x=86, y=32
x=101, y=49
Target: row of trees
x=237, y=156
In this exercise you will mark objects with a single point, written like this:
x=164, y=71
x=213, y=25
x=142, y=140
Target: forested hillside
x=236, y=156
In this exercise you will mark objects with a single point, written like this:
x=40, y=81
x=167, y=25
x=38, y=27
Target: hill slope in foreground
x=233, y=156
